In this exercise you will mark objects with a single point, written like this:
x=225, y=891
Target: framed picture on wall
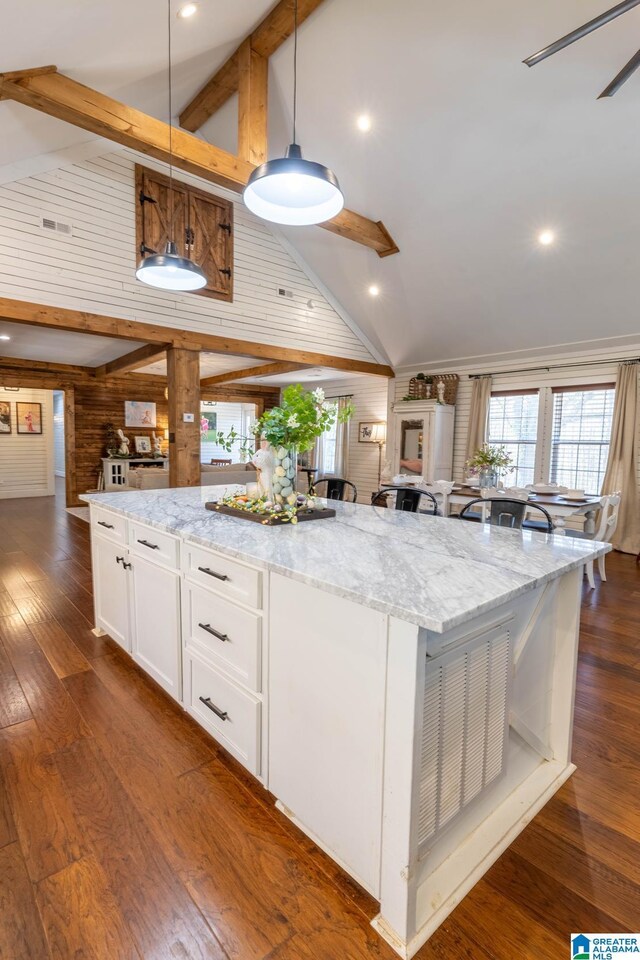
x=365, y=432
x=139, y=413
x=143, y=444
x=29, y=418
x=5, y=417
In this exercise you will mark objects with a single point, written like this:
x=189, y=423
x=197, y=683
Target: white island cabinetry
x=403, y=684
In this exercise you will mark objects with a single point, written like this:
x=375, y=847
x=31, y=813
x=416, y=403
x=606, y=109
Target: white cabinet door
x=111, y=584
x=155, y=622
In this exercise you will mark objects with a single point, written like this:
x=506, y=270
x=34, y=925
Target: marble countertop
x=431, y=571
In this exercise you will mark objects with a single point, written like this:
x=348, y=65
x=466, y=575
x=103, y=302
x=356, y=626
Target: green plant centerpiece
x=285, y=432
x=488, y=462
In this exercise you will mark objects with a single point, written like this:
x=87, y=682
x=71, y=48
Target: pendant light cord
x=295, y=65
x=171, y=218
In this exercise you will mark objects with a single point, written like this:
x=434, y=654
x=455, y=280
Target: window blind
x=581, y=433
x=513, y=423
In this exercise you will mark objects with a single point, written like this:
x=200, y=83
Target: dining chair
x=407, y=499
x=335, y=488
x=609, y=512
x=505, y=512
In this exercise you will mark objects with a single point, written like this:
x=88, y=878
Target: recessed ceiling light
x=4, y=336
x=187, y=10
x=546, y=237
x=363, y=123
x=374, y=290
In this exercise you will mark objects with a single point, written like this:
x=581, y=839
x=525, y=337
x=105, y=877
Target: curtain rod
x=557, y=366
x=341, y=396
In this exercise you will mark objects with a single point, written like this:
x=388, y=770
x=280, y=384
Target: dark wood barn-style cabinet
x=202, y=227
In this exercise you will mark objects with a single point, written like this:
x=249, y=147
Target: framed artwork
x=142, y=444
x=139, y=413
x=29, y=418
x=5, y=417
x=365, y=432
x=208, y=425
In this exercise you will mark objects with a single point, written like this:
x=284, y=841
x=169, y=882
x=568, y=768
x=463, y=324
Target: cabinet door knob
x=152, y=546
x=212, y=573
x=218, y=712
x=109, y=526
x=214, y=633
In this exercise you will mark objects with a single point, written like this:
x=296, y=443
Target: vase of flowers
x=487, y=462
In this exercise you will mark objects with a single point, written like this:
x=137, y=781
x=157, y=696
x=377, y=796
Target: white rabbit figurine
x=157, y=449
x=264, y=462
x=123, y=449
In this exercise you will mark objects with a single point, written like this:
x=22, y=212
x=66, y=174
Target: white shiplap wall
x=26, y=461
x=551, y=373
x=228, y=416
x=369, y=399
x=58, y=433
x=93, y=269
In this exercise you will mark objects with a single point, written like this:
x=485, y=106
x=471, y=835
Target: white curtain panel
x=622, y=465
x=478, y=415
x=342, y=442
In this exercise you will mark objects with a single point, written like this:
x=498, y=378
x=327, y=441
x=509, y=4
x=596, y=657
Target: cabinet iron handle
x=119, y=559
x=152, y=546
x=214, y=633
x=218, y=712
x=212, y=573
x=109, y=526
x=127, y=566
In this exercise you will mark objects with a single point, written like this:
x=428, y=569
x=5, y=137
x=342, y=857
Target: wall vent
x=282, y=292
x=56, y=226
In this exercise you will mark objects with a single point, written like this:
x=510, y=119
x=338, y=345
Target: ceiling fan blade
x=622, y=77
x=581, y=32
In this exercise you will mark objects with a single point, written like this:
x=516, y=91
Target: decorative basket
x=419, y=389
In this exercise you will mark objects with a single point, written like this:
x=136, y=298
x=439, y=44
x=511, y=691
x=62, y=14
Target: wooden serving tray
x=271, y=520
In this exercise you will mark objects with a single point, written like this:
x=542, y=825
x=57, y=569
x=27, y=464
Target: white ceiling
x=471, y=153
x=60, y=346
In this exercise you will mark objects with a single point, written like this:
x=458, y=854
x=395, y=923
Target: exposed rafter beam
x=252, y=104
x=61, y=318
x=59, y=96
x=264, y=41
x=132, y=361
x=264, y=370
x=69, y=371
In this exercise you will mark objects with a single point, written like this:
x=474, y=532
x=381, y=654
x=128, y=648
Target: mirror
x=411, y=447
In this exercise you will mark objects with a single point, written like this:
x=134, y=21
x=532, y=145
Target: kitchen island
x=403, y=684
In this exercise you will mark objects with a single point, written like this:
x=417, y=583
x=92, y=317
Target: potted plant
x=487, y=462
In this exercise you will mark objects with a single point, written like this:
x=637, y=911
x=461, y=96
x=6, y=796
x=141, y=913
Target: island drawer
x=226, y=634
x=230, y=578
x=109, y=524
x=231, y=715
x=154, y=545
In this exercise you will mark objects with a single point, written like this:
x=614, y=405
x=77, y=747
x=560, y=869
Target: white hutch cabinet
x=423, y=439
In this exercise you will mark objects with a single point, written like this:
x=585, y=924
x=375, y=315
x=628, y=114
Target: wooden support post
x=252, y=104
x=183, y=381
x=70, y=483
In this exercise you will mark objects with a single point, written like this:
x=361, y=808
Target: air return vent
x=283, y=292
x=465, y=728
x=56, y=226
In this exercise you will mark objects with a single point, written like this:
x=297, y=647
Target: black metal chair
x=335, y=488
x=406, y=499
x=508, y=513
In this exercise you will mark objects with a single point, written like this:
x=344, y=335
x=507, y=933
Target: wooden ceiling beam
x=61, y=318
x=264, y=370
x=253, y=85
x=276, y=27
x=59, y=96
x=132, y=361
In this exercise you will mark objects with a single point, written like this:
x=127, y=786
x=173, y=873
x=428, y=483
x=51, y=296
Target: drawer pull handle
x=218, y=712
x=109, y=526
x=212, y=573
x=152, y=546
x=214, y=633
x=127, y=566
x=119, y=559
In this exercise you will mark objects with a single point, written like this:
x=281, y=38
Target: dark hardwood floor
x=126, y=833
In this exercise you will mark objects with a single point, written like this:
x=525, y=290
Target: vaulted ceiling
x=470, y=155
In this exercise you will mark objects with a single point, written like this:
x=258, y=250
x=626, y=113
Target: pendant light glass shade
x=291, y=190
x=169, y=271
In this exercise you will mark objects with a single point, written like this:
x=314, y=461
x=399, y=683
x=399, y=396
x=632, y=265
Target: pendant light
x=292, y=190
x=168, y=270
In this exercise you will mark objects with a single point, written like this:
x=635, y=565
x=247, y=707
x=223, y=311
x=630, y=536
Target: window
x=224, y=417
x=328, y=443
x=580, y=436
x=513, y=423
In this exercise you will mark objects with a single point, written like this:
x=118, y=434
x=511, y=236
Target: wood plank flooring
x=125, y=832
